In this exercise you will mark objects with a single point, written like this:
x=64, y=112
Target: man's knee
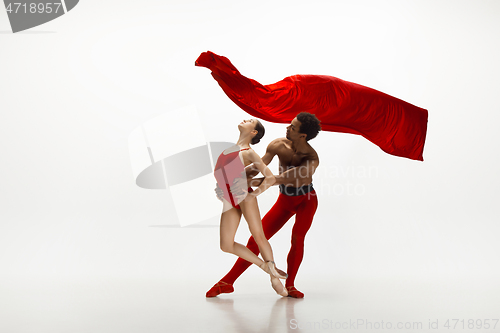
x=298, y=240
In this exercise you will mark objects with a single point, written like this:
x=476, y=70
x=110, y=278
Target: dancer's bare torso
x=296, y=167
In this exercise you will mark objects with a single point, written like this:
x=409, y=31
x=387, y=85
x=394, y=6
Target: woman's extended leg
x=273, y=221
x=229, y=222
x=250, y=210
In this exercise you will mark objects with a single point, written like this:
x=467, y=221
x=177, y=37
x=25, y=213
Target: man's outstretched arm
x=304, y=171
x=294, y=175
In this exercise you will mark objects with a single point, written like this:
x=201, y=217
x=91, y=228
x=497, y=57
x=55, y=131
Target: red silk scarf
x=397, y=127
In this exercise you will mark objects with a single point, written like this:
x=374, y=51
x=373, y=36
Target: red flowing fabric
x=397, y=127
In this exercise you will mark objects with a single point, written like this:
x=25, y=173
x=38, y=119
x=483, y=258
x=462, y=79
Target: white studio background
x=75, y=88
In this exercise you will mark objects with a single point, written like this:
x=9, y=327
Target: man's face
x=292, y=130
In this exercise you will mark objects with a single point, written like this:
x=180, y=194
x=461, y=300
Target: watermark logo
x=170, y=152
x=26, y=14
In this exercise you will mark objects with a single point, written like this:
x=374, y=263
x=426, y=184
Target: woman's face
x=247, y=125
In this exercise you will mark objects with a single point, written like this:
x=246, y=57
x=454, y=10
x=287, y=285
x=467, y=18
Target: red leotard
x=228, y=168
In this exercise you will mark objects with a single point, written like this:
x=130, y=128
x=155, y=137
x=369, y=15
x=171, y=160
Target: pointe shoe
x=266, y=267
x=278, y=287
x=293, y=292
x=219, y=288
x=276, y=272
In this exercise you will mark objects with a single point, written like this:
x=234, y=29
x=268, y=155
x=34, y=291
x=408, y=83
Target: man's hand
x=239, y=189
x=218, y=192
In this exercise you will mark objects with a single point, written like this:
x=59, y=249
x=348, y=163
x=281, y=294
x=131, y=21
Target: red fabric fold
x=397, y=127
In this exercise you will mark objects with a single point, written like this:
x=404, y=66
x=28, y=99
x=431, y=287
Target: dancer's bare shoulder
x=283, y=148
x=249, y=156
x=311, y=155
x=278, y=145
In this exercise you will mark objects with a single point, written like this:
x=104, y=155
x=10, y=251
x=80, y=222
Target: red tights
x=304, y=207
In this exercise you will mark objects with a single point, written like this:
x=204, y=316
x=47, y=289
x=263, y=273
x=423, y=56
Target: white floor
x=91, y=277
x=147, y=305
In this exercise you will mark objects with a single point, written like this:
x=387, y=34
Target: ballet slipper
x=278, y=287
x=293, y=292
x=265, y=267
x=219, y=288
x=276, y=272
x=269, y=267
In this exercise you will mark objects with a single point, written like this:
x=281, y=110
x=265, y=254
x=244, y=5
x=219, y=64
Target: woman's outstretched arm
x=269, y=178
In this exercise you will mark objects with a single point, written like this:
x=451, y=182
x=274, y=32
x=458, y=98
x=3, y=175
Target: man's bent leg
x=303, y=221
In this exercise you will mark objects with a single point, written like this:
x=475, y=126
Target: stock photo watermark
x=25, y=15
x=336, y=180
x=188, y=167
x=344, y=180
x=365, y=324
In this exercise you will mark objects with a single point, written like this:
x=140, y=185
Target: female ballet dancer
x=230, y=165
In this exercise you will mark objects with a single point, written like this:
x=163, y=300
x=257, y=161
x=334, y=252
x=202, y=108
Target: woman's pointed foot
x=276, y=272
x=278, y=287
x=265, y=268
x=271, y=269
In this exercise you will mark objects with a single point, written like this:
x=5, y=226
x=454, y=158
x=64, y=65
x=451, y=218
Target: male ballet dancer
x=298, y=162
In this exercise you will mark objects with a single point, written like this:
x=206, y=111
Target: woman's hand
x=218, y=192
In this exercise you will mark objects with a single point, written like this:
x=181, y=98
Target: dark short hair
x=260, y=132
x=309, y=125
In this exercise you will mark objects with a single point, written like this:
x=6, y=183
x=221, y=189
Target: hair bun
x=260, y=133
x=255, y=141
